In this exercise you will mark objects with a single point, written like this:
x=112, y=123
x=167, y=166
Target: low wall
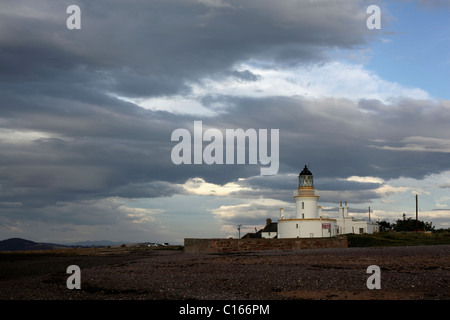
x=252, y=244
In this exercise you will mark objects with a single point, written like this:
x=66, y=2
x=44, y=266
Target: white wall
x=345, y=225
x=305, y=228
x=268, y=235
x=306, y=207
x=350, y=225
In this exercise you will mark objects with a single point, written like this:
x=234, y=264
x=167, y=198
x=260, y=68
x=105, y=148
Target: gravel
x=419, y=272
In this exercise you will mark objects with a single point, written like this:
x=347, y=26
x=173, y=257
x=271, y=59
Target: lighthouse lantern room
x=306, y=196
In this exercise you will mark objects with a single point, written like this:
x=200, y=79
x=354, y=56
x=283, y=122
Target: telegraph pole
x=417, y=213
x=239, y=230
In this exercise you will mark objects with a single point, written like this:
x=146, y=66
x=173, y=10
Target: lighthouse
x=306, y=196
x=309, y=222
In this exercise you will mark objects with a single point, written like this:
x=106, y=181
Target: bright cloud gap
x=208, y=97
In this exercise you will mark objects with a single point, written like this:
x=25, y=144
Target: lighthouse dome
x=305, y=178
x=305, y=172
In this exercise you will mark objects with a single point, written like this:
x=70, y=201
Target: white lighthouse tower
x=306, y=196
x=307, y=222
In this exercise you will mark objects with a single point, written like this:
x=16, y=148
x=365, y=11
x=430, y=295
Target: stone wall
x=252, y=244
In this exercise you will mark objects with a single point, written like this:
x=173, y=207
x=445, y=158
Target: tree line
x=406, y=225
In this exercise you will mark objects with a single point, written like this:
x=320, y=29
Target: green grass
x=386, y=239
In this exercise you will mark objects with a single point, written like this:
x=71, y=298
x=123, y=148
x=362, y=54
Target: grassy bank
x=383, y=239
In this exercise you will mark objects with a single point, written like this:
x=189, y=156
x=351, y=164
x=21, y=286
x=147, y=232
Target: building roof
x=271, y=227
x=252, y=235
x=305, y=172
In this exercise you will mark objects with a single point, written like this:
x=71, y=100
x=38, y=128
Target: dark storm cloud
x=109, y=153
x=333, y=184
x=118, y=149
x=54, y=79
x=145, y=48
x=342, y=138
x=59, y=85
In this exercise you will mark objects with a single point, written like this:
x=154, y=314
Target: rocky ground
x=418, y=272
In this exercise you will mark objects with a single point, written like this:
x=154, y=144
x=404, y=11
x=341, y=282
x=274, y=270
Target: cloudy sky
x=86, y=115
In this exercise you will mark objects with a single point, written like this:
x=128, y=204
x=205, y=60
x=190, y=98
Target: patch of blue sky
x=414, y=47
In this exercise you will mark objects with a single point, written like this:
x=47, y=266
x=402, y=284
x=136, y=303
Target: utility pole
x=417, y=213
x=239, y=230
x=369, y=213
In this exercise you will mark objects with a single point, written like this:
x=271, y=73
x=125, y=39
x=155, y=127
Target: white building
x=308, y=221
x=348, y=224
x=270, y=230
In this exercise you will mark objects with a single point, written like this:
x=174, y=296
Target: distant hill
x=96, y=243
x=18, y=244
